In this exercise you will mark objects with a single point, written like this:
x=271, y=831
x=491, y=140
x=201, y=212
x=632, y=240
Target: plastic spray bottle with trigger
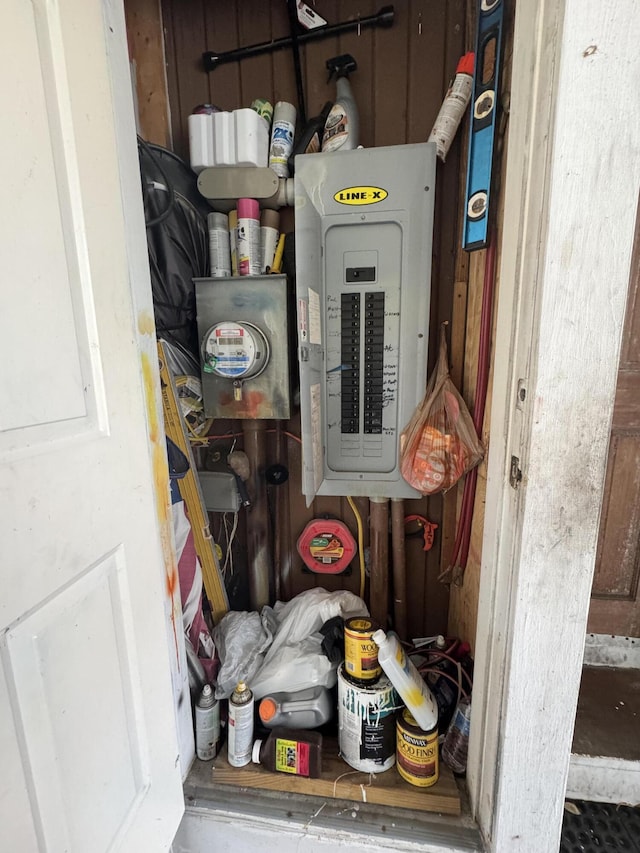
x=341, y=129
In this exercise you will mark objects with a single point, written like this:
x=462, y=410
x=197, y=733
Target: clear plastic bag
x=439, y=444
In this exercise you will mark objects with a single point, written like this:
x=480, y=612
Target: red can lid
x=466, y=64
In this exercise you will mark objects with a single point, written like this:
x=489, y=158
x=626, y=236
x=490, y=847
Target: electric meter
x=244, y=346
x=234, y=350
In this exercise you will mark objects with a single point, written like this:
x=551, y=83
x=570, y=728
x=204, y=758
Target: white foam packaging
x=238, y=138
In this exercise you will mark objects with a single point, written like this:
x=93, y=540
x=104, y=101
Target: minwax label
x=292, y=757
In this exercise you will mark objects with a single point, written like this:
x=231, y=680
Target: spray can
x=282, y=133
x=219, y=251
x=248, y=237
x=233, y=240
x=264, y=109
x=207, y=714
x=453, y=106
x=342, y=127
x=407, y=680
x=240, y=740
x=269, y=225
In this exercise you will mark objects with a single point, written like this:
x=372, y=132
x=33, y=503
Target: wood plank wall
x=402, y=76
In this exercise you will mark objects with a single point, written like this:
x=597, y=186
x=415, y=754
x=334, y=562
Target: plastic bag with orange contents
x=439, y=444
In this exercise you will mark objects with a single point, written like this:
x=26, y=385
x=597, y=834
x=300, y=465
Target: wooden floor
x=608, y=716
x=339, y=781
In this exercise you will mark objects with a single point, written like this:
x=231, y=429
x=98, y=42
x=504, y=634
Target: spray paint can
x=282, y=133
x=269, y=233
x=416, y=751
x=264, y=109
x=240, y=739
x=453, y=106
x=207, y=713
x=219, y=251
x=248, y=237
x=233, y=240
x=360, y=652
x=367, y=724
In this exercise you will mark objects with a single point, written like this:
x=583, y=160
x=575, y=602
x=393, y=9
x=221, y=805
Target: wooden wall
x=402, y=76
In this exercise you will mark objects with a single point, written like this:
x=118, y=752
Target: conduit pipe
x=379, y=547
x=258, y=533
x=399, y=568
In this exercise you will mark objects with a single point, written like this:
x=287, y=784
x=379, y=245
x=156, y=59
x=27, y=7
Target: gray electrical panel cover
x=364, y=228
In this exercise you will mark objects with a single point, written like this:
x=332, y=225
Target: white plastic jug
x=306, y=709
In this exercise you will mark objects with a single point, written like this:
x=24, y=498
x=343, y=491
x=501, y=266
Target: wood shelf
x=340, y=781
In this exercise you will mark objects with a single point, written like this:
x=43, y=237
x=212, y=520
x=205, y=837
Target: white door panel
x=87, y=728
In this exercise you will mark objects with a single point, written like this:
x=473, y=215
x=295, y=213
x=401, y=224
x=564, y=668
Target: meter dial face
x=234, y=350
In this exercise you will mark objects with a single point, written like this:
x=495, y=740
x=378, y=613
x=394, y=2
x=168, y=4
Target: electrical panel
x=364, y=224
x=244, y=346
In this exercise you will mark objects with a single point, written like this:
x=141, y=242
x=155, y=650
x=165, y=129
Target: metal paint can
x=360, y=652
x=416, y=751
x=367, y=724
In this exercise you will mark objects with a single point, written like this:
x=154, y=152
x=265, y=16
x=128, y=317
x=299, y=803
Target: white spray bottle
x=341, y=129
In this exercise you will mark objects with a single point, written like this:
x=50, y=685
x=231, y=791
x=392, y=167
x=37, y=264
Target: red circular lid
x=327, y=546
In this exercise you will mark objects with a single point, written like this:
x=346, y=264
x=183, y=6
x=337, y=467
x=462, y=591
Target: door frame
x=570, y=56
x=564, y=276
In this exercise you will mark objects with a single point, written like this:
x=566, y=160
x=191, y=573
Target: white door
x=87, y=728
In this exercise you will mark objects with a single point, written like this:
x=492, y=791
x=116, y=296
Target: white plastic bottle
x=240, y=738
x=207, y=724
x=342, y=127
x=406, y=679
x=453, y=106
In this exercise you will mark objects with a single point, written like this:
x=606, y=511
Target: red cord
x=462, y=542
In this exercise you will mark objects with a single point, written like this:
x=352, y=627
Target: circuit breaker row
x=364, y=371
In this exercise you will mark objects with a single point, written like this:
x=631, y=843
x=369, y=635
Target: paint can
x=416, y=751
x=360, y=652
x=367, y=724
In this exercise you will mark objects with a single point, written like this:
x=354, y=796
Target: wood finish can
x=360, y=652
x=416, y=751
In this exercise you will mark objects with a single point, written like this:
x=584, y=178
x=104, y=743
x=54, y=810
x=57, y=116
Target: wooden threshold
x=339, y=781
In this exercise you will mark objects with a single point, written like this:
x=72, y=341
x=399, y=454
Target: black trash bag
x=178, y=241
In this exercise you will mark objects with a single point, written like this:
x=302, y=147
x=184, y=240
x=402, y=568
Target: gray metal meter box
x=244, y=346
x=364, y=226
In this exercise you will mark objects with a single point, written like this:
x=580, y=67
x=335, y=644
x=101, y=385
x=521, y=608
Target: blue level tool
x=483, y=123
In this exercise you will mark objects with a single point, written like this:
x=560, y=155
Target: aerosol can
x=341, y=130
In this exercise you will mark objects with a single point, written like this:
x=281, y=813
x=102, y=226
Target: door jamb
x=568, y=143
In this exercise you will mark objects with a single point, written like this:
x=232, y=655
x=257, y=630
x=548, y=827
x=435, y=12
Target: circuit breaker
x=244, y=346
x=364, y=225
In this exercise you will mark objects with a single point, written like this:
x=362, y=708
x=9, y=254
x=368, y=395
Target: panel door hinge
x=515, y=474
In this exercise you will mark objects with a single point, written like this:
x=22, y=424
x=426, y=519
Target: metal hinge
x=515, y=474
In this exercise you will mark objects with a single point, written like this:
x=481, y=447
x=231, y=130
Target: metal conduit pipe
x=379, y=547
x=399, y=568
x=260, y=563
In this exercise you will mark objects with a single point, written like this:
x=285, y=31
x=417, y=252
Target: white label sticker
x=315, y=326
x=302, y=320
x=316, y=437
